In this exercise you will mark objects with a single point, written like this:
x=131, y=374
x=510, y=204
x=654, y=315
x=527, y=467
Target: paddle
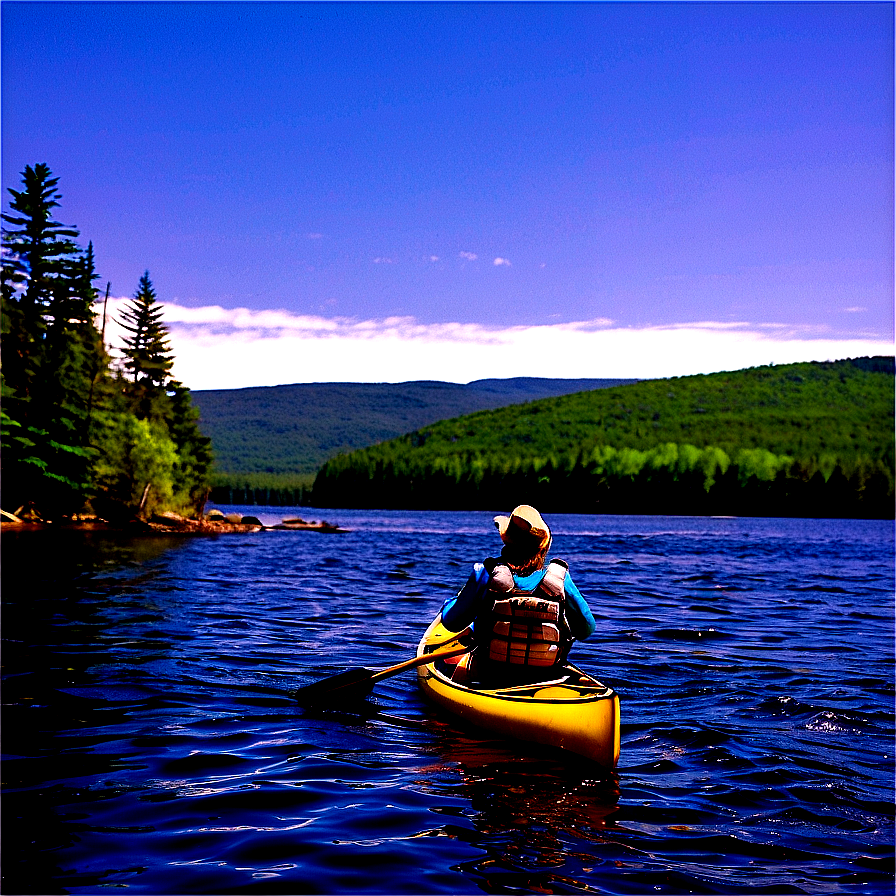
x=357, y=683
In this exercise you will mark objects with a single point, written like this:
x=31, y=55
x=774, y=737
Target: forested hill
x=814, y=439
x=295, y=429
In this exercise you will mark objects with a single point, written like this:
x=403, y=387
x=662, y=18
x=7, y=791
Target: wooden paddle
x=357, y=683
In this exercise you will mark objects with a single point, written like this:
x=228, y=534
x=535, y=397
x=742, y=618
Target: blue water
x=150, y=741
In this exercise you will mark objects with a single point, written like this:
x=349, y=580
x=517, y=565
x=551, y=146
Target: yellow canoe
x=572, y=711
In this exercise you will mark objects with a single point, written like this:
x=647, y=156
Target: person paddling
x=525, y=615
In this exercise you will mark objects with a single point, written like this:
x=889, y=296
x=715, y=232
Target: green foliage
x=269, y=489
x=147, y=353
x=136, y=468
x=153, y=455
x=39, y=252
x=194, y=450
x=813, y=439
x=50, y=348
x=295, y=429
x=74, y=433
x=762, y=465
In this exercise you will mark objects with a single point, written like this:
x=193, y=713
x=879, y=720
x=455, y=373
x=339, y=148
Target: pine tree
x=72, y=431
x=37, y=256
x=50, y=346
x=158, y=399
x=194, y=450
x=147, y=355
x=147, y=352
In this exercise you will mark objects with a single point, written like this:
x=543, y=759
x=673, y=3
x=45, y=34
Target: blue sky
x=378, y=191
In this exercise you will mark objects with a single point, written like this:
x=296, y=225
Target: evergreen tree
x=147, y=352
x=194, y=450
x=50, y=346
x=71, y=430
x=161, y=401
x=37, y=253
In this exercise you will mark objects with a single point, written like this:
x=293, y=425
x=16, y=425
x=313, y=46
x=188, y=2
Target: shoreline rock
x=168, y=523
x=132, y=527
x=322, y=526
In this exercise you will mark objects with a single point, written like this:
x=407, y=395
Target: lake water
x=150, y=741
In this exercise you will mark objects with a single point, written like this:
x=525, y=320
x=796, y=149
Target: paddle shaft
x=425, y=660
x=356, y=682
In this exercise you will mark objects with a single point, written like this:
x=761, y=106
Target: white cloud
x=500, y=261
x=221, y=348
x=382, y=260
x=468, y=256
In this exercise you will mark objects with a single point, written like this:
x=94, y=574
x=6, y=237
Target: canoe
x=572, y=711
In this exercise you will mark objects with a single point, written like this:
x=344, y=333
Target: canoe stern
x=577, y=714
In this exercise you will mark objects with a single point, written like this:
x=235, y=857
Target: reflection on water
x=150, y=741
x=529, y=814
x=534, y=795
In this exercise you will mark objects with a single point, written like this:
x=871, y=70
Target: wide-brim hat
x=524, y=530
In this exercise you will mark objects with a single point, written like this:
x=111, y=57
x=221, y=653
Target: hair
x=522, y=562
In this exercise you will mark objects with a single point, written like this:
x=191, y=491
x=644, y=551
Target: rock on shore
x=170, y=523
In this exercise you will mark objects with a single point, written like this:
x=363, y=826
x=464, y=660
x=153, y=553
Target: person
x=524, y=614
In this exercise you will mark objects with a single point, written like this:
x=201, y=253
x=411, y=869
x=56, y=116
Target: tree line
x=795, y=440
x=291, y=430
x=83, y=432
x=263, y=489
x=670, y=479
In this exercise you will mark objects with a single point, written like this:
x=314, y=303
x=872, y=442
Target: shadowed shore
x=215, y=523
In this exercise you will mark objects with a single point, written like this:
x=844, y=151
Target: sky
x=379, y=192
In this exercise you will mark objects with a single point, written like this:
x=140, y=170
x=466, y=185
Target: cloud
x=228, y=348
x=500, y=261
x=382, y=260
x=469, y=256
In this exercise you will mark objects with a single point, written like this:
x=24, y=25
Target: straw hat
x=524, y=530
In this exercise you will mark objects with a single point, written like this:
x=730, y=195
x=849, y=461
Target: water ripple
x=151, y=742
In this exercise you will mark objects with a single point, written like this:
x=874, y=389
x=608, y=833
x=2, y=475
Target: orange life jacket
x=527, y=628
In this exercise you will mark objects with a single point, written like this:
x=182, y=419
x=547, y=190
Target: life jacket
x=526, y=628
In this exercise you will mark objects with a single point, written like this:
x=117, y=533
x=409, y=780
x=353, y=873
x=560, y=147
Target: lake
x=150, y=741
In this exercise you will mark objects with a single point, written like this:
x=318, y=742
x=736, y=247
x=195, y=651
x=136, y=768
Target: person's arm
x=459, y=611
x=578, y=613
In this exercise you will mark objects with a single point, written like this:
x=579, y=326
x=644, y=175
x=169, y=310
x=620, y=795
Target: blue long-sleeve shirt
x=460, y=611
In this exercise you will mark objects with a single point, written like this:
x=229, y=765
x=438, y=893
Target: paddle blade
x=355, y=684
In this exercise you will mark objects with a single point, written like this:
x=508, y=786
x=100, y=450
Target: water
x=150, y=742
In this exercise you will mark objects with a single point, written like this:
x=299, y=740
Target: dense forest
x=271, y=441
x=83, y=432
x=814, y=439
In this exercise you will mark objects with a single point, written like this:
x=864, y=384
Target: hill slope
x=295, y=429
x=813, y=439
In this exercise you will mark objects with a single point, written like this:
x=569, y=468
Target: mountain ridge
x=807, y=439
x=295, y=428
